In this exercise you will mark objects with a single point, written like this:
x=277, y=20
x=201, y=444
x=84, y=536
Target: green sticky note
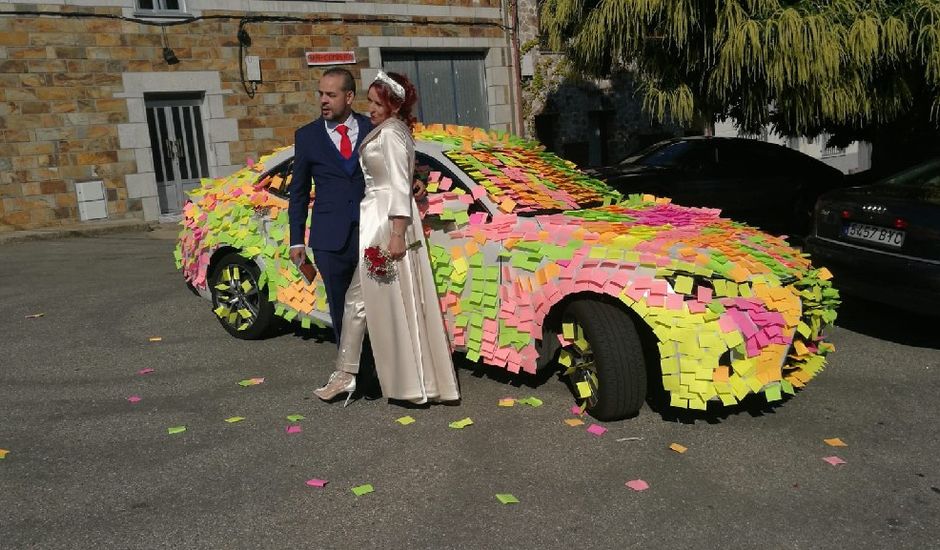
x=295, y=417
x=461, y=424
x=531, y=401
x=683, y=284
x=362, y=490
x=507, y=498
x=176, y=430
x=234, y=419
x=405, y=420
x=246, y=383
x=773, y=393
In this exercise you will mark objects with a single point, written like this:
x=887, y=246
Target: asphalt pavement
x=86, y=468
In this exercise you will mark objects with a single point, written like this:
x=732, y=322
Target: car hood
x=886, y=192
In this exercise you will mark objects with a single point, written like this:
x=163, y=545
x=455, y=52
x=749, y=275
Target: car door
x=756, y=183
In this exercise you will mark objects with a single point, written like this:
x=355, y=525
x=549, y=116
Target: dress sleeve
x=398, y=151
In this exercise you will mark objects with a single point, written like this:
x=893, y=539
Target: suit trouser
x=337, y=269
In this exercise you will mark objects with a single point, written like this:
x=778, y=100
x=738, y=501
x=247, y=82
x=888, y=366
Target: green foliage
x=801, y=65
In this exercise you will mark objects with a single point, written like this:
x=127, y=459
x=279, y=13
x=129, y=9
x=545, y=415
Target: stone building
x=114, y=108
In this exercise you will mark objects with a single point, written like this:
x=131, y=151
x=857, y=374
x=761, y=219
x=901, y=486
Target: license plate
x=874, y=234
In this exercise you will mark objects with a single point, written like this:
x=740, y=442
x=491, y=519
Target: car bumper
x=909, y=283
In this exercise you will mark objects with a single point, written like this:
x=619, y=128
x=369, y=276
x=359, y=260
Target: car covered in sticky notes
x=537, y=266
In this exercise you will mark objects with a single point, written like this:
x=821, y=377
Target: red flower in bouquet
x=379, y=264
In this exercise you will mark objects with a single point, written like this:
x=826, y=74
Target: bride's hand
x=396, y=246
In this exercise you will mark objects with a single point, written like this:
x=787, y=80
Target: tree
x=853, y=69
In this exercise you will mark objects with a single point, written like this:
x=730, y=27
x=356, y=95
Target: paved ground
x=88, y=469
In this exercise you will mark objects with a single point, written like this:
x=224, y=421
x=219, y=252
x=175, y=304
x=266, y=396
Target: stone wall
x=71, y=89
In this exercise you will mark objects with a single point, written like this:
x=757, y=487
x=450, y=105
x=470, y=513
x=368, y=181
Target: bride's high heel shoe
x=339, y=382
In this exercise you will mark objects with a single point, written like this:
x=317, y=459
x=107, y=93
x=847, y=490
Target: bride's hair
x=390, y=100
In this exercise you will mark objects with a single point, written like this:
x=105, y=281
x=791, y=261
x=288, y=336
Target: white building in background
x=854, y=158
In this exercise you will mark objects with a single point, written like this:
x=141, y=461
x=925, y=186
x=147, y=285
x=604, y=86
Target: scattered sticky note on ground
x=145, y=371
x=507, y=402
x=834, y=460
x=362, y=490
x=295, y=429
x=295, y=417
x=3, y=453
x=577, y=409
x=134, y=398
x=574, y=421
x=835, y=442
x=176, y=430
x=678, y=448
x=317, y=482
x=530, y=401
x=460, y=424
x=155, y=339
x=507, y=498
x=597, y=429
x=405, y=420
x=35, y=316
x=638, y=485
x=251, y=382
x=234, y=419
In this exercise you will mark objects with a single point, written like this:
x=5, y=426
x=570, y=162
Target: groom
x=327, y=150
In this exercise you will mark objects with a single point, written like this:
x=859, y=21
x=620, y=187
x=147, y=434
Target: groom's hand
x=298, y=255
x=419, y=189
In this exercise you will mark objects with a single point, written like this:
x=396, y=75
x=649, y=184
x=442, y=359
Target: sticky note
x=362, y=490
x=295, y=417
x=295, y=429
x=678, y=448
x=507, y=498
x=834, y=460
x=405, y=420
x=234, y=419
x=530, y=401
x=145, y=371
x=461, y=424
x=251, y=382
x=507, y=402
x=155, y=339
x=35, y=316
x=134, y=398
x=574, y=421
x=317, y=482
x=683, y=284
x=176, y=430
x=638, y=485
x=597, y=430
x=835, y=442
x=3, y=453
x=584, y=390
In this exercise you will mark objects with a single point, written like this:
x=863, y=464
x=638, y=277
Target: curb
x=118, y=226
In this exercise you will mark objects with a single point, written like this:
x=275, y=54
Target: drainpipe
x=512, y=10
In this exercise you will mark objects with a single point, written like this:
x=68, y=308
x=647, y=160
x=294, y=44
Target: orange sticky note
x=835, y=442
x=574, y=421
x=678, y=448
x=825, y=274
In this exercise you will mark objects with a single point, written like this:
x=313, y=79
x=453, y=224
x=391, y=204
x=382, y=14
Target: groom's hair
x=349, y=83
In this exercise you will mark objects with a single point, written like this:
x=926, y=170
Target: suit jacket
x=339, y=187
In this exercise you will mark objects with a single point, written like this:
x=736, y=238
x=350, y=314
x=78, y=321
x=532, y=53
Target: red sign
x=330, y=58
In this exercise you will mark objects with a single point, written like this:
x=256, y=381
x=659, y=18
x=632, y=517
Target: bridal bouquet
x=380, y=265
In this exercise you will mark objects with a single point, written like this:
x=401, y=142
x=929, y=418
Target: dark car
x=760, y=183
x=882, y=241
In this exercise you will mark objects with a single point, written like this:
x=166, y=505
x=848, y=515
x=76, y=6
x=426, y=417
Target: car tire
x=235, y=290
x=615, y=357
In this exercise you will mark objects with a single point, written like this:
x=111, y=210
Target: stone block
x=143, y=158
x=151, y=206
x=133, y=135
x=497, y=76
x=141, y=185
x=223, y=129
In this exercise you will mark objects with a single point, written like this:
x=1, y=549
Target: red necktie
x=345, y=146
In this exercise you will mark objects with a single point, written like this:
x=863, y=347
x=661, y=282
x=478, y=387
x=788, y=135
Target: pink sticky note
x=317, y=482
x=445, y=183
x=575, y=409
x=638, y=485
x=478, y=192
x=134, y=398
x=834, y=460
x=597, y=430
x=704, y=294
x=434, y=176
x=294, y=429
x=257, y=380
x=145, y=371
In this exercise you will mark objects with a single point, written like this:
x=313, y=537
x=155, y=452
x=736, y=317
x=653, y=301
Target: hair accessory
x=397, y=88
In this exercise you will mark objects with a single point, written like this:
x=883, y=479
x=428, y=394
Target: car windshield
x=922, y=175
x=662, y=155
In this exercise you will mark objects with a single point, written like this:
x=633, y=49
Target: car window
x=277, y=180
x=923, y=175
x=747, y=160
x=442, y=186
x=668, y=156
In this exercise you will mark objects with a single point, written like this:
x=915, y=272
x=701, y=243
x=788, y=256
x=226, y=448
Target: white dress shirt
x=353, y=132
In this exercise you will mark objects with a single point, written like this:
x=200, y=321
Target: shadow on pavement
x=885, y=322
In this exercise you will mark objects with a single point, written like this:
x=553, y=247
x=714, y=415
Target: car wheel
x=237, y=300
x=605, y=359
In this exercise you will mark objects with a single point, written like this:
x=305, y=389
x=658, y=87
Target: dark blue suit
x=334, y=230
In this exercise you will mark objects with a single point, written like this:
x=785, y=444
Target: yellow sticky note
x=567, y=330
x=584, y=390
x=825, y=274
x=155, y=339
x=574, y=421
x=683, y=285
x=405, y=420
x=3, y=453
x=835, y=442
x=507, y=402
x=678, y=448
